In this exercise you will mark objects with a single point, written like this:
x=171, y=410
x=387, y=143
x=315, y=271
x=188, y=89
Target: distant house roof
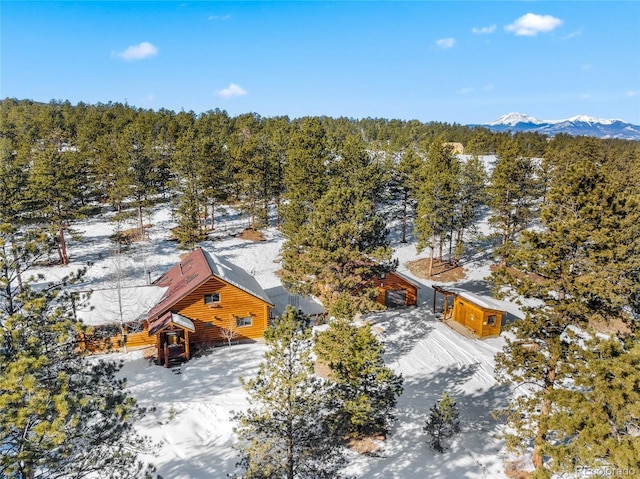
x=194, y=270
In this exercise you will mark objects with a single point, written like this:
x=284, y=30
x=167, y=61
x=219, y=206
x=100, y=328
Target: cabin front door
x=174, y=346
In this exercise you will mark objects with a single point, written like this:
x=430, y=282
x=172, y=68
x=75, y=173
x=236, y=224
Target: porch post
x=435, y=292
x=186, y=344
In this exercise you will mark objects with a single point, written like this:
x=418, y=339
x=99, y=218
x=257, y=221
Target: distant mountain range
x=576, y=125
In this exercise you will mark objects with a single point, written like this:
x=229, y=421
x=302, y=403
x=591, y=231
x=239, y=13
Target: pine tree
x=405, y=183
x=436, y=198
x=286, y=433
x=598, y=420
x=53, y=185
x=366, y=389
x=581, y=266
x=514, y=192
x=442, y=423
x=305, y=175
x=62, y=416
x=189, y=183
x=472, y=195
x=340, y=250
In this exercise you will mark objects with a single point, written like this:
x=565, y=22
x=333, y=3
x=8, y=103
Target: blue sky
x=464, y=62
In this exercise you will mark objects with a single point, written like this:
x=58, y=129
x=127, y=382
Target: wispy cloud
x=484, y=30
x=586, y=66
x=467, y=90
x=585, y=96
x=446, y=42
x=231, y=91
x=213, y=18
x=531, y=24
x=137, y=52
x=577, y=33
x=633, y=93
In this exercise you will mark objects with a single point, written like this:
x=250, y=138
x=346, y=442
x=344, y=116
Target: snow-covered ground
x=192, y=407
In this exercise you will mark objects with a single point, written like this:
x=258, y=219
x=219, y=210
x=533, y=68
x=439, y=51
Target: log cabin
x=396, y=290
x=208, y=301
x=202, y=300
x=480, y=316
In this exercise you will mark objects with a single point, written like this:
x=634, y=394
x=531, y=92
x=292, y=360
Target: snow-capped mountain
x=579, y=125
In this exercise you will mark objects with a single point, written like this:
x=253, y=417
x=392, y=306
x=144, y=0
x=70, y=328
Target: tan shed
x=479, y=315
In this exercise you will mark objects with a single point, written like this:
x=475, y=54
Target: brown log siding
x=208, y=319
x=393, y=282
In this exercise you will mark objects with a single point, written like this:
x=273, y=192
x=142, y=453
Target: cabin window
x=246, y=321
x=136, y=327
x=213, y=298
x=491, y=320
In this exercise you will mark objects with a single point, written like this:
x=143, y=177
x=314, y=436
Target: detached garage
x=396, y=290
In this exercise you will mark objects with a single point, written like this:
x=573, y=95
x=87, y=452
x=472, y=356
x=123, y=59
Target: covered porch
x=172, y=337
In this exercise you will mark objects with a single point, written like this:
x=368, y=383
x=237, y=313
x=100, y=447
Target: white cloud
x=488, y=87
x=231, y=91
x=585, y=96
x=573, y=34
x=586, y=66
x=484, y=30
x=633, y=93
x=467, y=90
x=137, y=52
x=446, y=42
x=532, y=24
x=218, y=17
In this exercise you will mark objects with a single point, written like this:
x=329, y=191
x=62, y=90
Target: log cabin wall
x=234, y=303
x=393, y=282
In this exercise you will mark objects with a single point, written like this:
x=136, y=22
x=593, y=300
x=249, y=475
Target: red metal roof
x=192, y=272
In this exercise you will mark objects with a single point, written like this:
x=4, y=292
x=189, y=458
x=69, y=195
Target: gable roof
x=194, y=270
x=405, y=278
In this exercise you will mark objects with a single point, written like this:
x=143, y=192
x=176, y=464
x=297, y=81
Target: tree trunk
x=213, y=214
x=140, y=221
x=64, y=258
x=457, y=250
x=503, y=258
x=433, y=247
x=545, y=409
x=404, y=217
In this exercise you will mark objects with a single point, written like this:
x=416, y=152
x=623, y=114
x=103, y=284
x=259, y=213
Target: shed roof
x=405, y=278
x=196, y=268
x=482, y=301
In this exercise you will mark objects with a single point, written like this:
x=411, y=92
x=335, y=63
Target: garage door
x=395, y=298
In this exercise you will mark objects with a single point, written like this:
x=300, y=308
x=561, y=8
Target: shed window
x=491, y=320
x=246, y=321
x=212, y=298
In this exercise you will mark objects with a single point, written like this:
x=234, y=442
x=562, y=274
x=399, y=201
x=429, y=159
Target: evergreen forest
x=565, y=212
